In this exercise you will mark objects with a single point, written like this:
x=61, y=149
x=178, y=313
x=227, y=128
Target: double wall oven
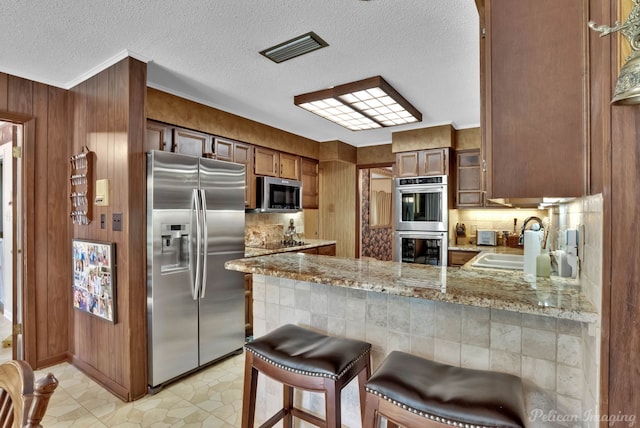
x=421, y=219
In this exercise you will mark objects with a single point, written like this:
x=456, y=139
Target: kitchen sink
x=500, y=261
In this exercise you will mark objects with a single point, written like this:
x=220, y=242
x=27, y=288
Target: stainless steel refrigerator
x=195, y=223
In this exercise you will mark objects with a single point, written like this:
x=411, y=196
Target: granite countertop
x=490, y=288
x=308, y=243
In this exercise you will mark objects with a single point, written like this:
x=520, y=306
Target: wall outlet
x=103, y=221
x=117, y=222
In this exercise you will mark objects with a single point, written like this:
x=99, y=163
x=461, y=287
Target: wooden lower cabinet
x=458, y=258
x=309, y=251
x=327, y=250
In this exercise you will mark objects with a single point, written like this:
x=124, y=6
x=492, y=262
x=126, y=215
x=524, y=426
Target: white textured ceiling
x=207, y=51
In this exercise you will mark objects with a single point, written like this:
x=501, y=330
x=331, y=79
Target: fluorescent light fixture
x=366, y=104
x=297, y=46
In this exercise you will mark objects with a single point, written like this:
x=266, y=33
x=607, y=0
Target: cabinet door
x=327, y=250
x=224, y=149
x=243, y=153
x=469, y=179
x=158, y=136
x=309, y=176
x=534, y=82
x=190, y=142
x=407, y=164
x=266, y=162
x=458, y=258
x=289, y=166
x=309, y=250
x=433, y=162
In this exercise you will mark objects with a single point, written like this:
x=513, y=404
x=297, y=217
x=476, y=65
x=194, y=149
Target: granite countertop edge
x=308, y=243
x=484, y=288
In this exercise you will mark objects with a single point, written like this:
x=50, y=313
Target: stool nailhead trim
x=307, y=373
x=424, y=414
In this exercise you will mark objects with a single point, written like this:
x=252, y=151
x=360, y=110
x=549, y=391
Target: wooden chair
x=23, y=402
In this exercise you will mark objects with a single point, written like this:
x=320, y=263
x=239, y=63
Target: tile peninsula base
x=548, y=353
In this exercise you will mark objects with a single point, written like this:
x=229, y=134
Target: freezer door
x=172, y=311
x=222, y=296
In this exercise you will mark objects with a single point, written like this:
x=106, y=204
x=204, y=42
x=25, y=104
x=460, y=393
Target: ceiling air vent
x=295, y=47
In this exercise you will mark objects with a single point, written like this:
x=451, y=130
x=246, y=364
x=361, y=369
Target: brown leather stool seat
x=304, y=359
x=415, y=392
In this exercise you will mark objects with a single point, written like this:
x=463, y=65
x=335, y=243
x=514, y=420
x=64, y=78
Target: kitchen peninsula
x=468, y=317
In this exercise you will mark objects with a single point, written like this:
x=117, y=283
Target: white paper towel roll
x=531, y=251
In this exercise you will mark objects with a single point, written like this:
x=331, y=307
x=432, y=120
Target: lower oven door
x=427, y=248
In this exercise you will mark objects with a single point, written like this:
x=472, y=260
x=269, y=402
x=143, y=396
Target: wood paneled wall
x=109, y=119
x=621, y=254
x=337, y=198
x=174, y=110
x=45, y=112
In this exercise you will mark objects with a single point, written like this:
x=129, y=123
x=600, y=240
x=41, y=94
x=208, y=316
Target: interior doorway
x=10, y=281
x=375, y=194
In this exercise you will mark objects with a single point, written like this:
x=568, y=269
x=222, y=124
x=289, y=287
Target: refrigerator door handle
x=205, y=239
x=195, y=283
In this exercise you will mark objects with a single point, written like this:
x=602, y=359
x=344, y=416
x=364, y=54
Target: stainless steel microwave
x=278, y=195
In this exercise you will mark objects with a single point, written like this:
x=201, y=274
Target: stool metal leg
x=249, y=392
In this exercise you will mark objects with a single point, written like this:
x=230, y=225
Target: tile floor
x=209, y=398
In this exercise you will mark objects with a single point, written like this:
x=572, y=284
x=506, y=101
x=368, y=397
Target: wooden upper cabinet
x=243, y=153
x=433, y=162
x=309, y=177
x=190, y=142
x=534, y=97
x=407, y=164
x=289, y=166
x=235, y=151
x=224, y=149
x=158, y=136
x=266, y=162
x=422, y=162
x=469, y=179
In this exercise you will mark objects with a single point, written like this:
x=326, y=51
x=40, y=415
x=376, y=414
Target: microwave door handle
x=195, y=283
x=205, y=241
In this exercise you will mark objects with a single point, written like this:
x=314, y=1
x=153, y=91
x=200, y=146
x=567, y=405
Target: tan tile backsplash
x=264, y=228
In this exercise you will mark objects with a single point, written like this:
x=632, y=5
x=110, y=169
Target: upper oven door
x=421, y=206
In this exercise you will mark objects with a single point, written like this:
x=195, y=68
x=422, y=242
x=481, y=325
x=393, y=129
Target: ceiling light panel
x=365, y=104
x=295, y=47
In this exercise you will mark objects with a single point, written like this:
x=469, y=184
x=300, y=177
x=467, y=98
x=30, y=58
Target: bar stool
x=413, y=392
x=303, y=359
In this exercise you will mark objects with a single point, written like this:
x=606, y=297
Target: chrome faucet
x=524, y=226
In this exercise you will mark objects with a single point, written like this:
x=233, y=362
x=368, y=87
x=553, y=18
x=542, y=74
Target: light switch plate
x=117, y=222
